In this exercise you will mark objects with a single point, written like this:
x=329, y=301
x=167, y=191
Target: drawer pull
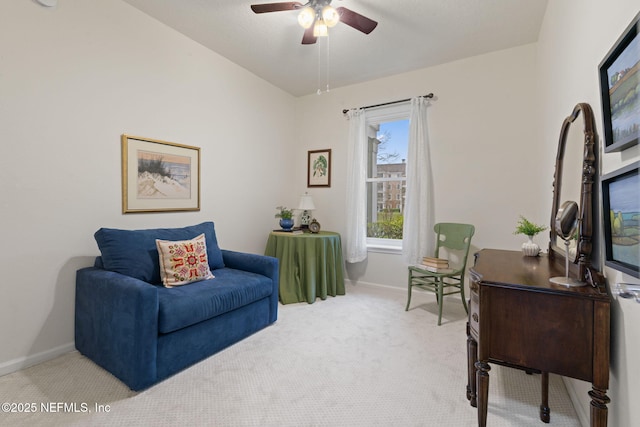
x=474, y=316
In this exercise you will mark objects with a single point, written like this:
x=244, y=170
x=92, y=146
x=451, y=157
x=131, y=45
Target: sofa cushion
x=184, y=306
x=134, y=252
x=183, y=261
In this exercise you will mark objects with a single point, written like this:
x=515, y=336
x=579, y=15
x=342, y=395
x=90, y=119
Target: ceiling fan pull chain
x=319, y=91
x=327, y=63
x=323, y=41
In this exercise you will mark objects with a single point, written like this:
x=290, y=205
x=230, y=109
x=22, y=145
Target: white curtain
x=418, y=236
x=356, y=237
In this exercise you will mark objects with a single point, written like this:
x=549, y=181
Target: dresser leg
x=482, y=379
x=472, y=358
x=545, y=412
x=599, y=411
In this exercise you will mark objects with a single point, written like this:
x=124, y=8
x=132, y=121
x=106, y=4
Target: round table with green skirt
x=311, y=265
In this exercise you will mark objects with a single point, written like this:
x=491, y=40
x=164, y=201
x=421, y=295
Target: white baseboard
x=578, y=403
x=377, y=285
x=34, y=359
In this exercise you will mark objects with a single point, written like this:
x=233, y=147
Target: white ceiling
x=411, y=34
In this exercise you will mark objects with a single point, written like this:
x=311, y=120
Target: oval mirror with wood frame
x=573, y=181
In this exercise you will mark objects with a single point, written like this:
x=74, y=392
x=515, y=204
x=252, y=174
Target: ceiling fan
x=316, y=15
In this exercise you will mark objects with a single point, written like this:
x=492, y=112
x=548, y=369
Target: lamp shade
x=306, y=203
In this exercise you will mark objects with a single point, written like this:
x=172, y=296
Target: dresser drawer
x=474, y=315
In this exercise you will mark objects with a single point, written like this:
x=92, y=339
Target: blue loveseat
x=143, y=332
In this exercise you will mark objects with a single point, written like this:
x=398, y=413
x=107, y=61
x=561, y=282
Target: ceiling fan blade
x=308, y=37
x=355, y=20
x=276, y=7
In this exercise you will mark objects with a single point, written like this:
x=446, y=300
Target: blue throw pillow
x=134, y=252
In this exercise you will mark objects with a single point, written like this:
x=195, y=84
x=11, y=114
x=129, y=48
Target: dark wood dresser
x=519, y=319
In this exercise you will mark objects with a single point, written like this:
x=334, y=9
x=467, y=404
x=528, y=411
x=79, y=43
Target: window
x=388, y=130
x=365, y=183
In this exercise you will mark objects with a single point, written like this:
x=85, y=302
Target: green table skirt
x=311, y=265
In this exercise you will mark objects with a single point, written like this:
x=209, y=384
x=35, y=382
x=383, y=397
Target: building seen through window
x=386, y=178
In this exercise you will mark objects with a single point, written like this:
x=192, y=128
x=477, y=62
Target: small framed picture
x=621, y=210
x=159, y=176
x=319, y=168
x=620, y=90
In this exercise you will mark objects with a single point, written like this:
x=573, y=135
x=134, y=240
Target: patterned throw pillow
x=184, y=261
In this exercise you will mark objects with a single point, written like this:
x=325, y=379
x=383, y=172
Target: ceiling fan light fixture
x=316, y=17
x=306, y=17
x=330, y=16
x=320, y=28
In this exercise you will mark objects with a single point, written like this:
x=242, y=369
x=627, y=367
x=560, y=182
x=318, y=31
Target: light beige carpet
x=353, y=360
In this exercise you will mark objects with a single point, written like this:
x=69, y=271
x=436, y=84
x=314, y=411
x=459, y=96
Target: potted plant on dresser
x=529, y=229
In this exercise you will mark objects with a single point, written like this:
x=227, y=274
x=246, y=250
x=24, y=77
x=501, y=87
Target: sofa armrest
x=116, y=324
x=259, y=264
x=254, y=263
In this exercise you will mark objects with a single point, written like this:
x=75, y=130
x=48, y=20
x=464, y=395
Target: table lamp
x=306, y=205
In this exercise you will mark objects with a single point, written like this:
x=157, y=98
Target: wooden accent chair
x=451, y=238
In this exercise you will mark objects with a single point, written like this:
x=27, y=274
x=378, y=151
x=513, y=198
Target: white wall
x=498, y=116
x=574, y=39
x=485, y=147
x=73, y=79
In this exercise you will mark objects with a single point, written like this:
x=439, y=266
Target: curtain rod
x=429, y=95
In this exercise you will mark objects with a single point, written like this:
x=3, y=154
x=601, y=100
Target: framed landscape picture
x=159, y=176
x=621, y=210
x=319, y=168
x=620, y=91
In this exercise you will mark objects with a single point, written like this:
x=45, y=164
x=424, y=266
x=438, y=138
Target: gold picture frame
x=159, y=176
